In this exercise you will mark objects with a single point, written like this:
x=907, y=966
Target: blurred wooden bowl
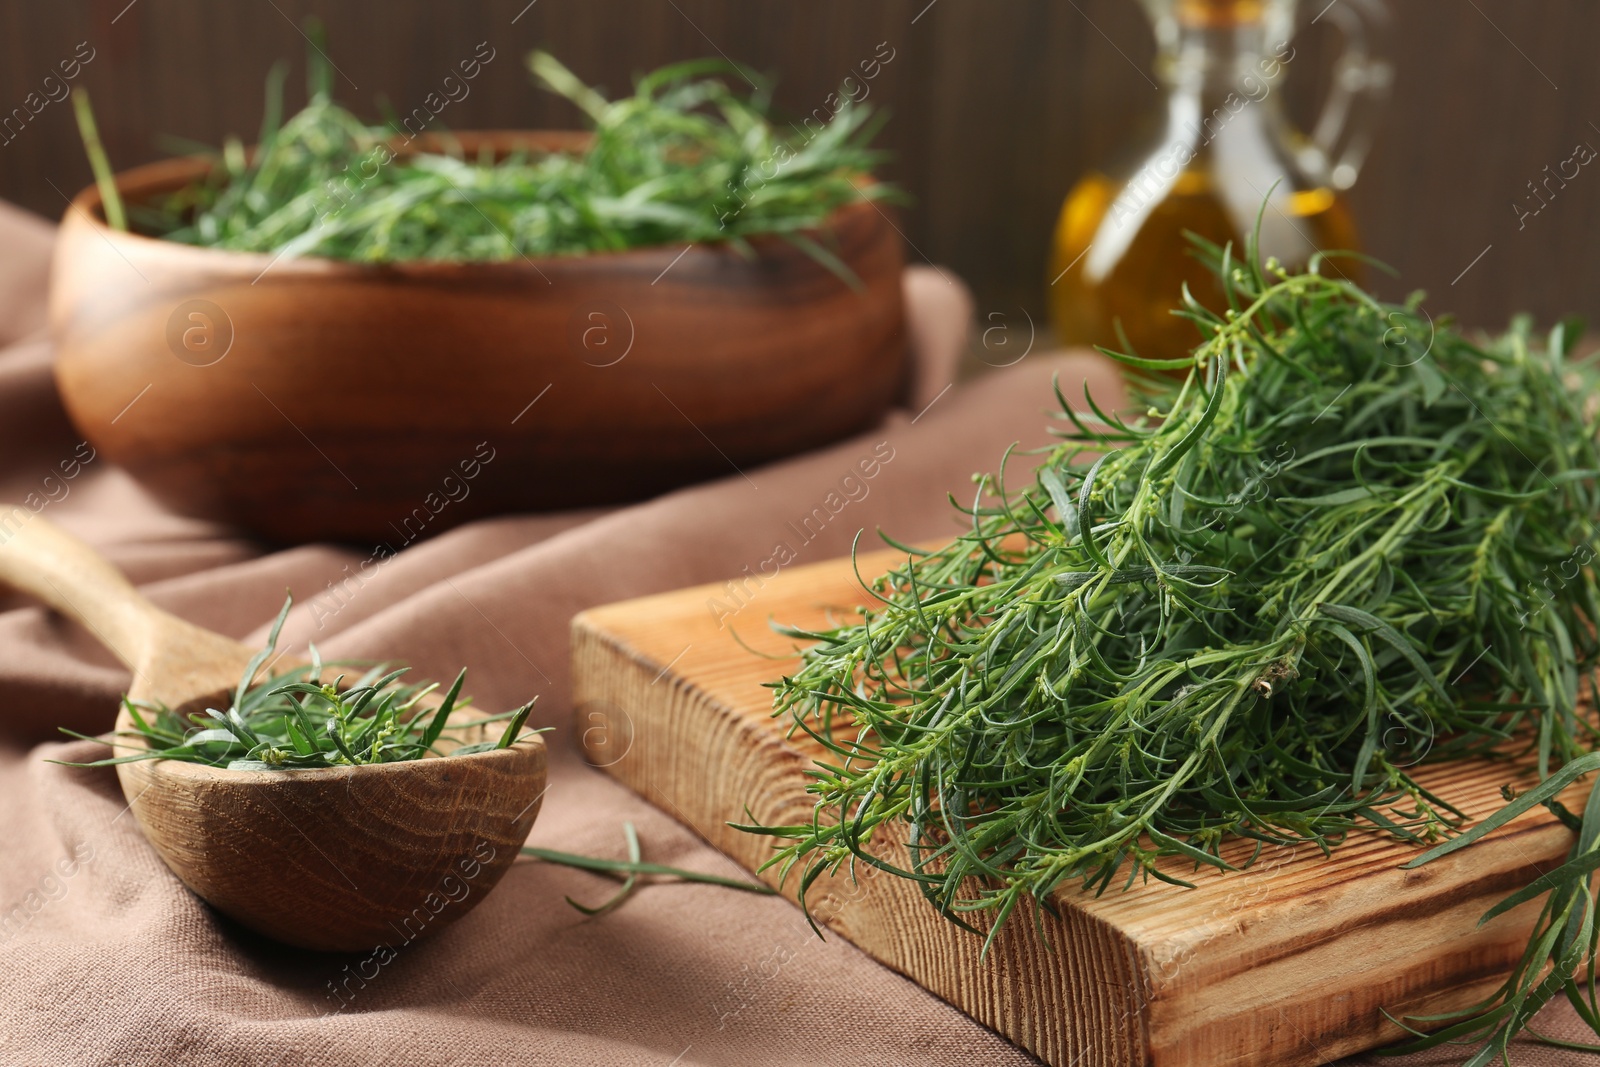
x=313, y=399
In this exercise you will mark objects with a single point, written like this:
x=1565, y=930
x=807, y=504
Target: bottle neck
x=1211, y=49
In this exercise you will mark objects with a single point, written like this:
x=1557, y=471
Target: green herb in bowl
x=529, y=259
x=296, y=720
x=684, y=159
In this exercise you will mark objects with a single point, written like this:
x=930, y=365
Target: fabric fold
x=109, y=960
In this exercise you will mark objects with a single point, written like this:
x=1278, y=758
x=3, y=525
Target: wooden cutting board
x=1285, y=963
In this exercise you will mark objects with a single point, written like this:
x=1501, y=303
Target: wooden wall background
x=998, y=105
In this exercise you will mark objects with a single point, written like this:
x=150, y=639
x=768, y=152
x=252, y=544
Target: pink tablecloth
x=108, y=960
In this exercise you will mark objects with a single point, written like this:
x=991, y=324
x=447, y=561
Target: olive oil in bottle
x=1120, y=257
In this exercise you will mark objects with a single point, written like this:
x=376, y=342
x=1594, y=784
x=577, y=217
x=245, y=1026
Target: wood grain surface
x=997, y=109
x=1286, y=963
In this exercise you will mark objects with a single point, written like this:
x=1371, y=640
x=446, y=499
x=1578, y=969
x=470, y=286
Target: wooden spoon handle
x=38, y=558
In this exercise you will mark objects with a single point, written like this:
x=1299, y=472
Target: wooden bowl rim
x=166, y=175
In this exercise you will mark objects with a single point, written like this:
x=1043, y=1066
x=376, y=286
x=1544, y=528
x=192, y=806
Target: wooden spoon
x=339, y=858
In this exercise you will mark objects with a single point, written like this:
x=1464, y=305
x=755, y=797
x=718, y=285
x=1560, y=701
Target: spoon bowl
x=332, y=859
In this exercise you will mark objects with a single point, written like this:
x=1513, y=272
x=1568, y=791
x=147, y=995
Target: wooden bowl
x=314, y=399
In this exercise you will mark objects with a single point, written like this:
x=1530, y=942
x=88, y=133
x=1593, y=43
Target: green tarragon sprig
x=296, y=719
x=684, y=158
x=1350, y=540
